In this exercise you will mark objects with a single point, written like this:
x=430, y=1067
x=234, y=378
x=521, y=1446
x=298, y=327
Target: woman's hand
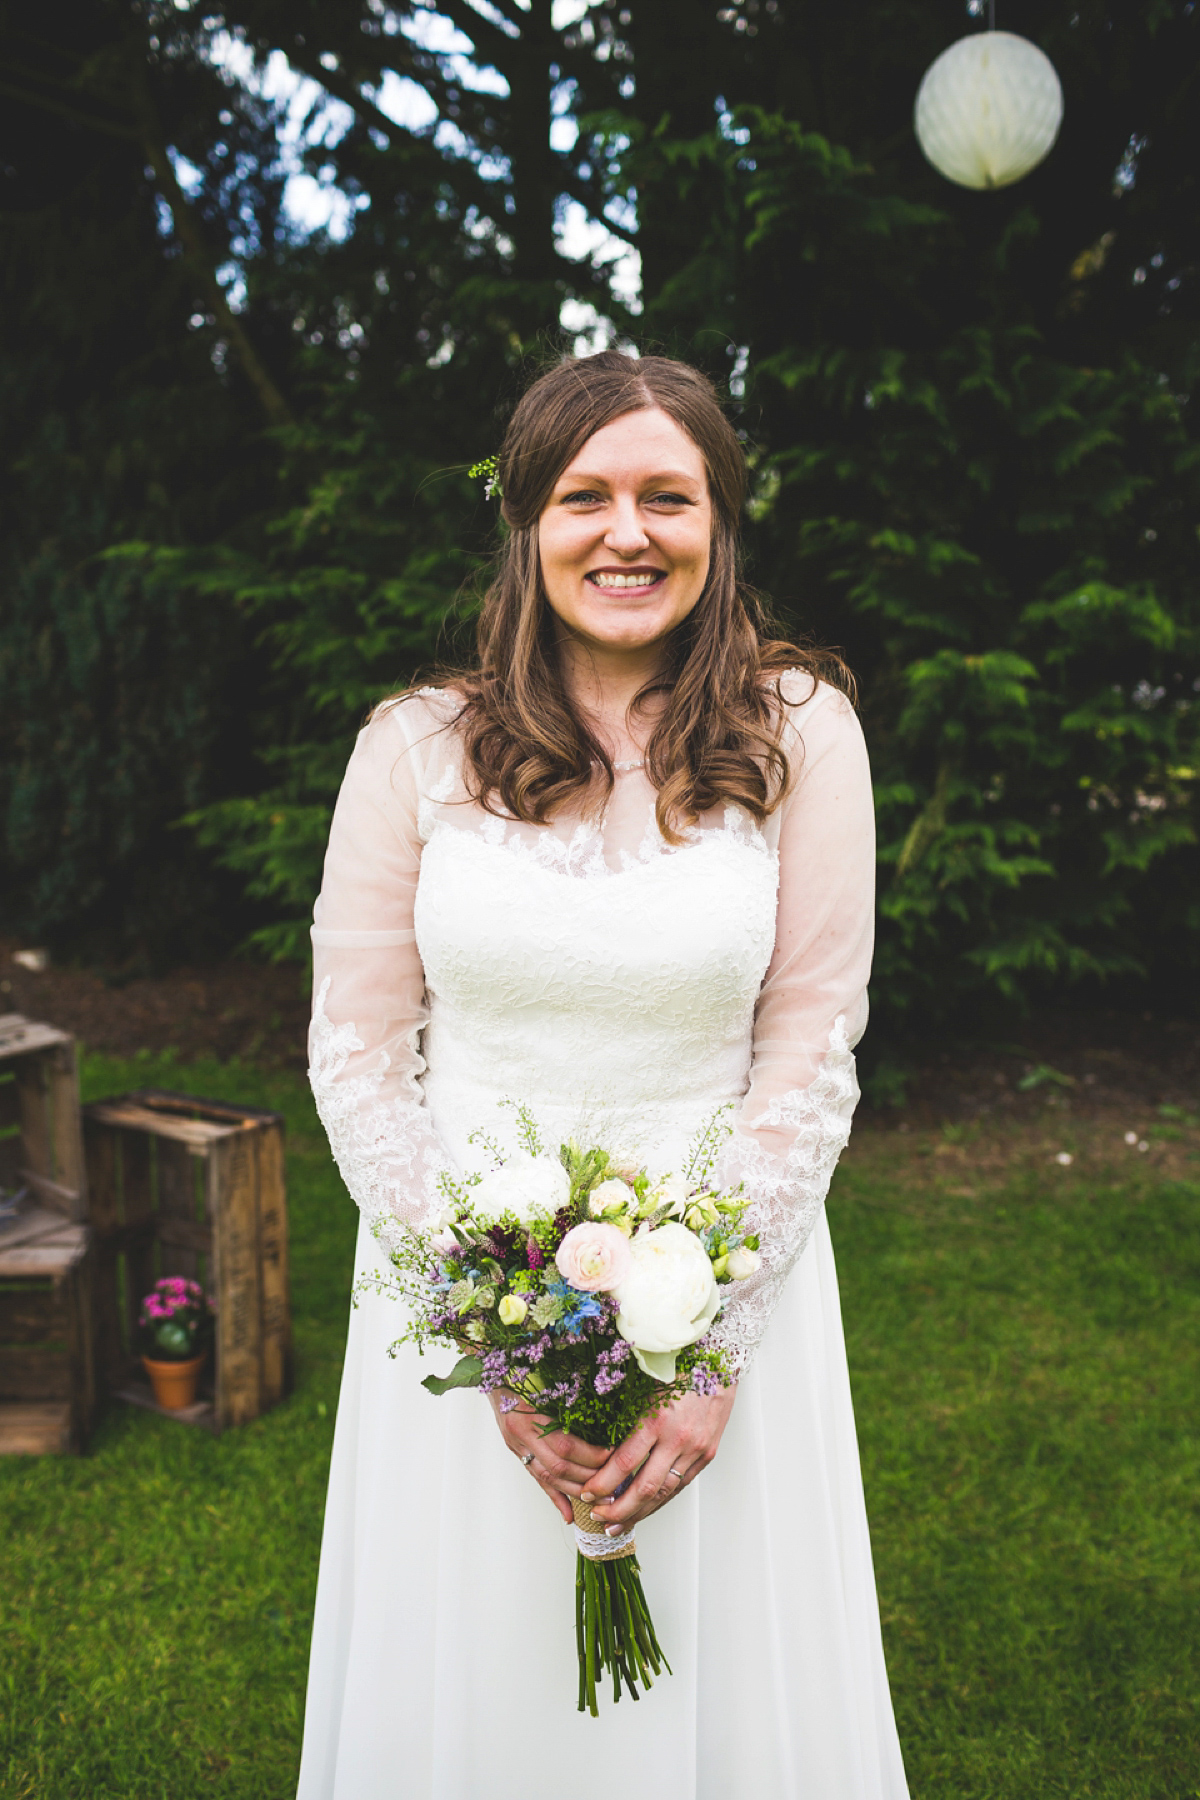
x=558, y=1462
x=669, y=1450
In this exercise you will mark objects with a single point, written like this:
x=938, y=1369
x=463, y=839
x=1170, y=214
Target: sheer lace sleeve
x=369, y=986
x=795, y=1120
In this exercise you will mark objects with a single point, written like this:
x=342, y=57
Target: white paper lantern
x=988, y=109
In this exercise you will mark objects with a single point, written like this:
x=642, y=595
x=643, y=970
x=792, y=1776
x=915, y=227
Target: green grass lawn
x=1025, y=1357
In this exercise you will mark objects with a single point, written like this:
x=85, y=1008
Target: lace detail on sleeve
x=385, y=1146
x=786, y=1192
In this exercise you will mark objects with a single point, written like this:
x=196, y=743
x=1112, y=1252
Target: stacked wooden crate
x=47, y=1391
x=181, y=1186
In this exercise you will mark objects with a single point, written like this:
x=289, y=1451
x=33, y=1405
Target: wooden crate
x=182, y=1186
x=47, y=1392
x=40, y=1144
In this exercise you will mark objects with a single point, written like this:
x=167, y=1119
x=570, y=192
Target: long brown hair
x=718, y=738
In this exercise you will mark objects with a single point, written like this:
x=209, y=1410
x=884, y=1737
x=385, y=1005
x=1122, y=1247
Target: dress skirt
x=443, y=1653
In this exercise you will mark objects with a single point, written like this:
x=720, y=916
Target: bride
x=621, y=871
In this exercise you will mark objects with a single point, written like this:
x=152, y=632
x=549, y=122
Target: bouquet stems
x=614, y=1632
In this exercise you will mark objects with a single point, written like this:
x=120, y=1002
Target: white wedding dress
x=624, y=990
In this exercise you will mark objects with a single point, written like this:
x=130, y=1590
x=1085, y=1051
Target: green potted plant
x=175, y=1329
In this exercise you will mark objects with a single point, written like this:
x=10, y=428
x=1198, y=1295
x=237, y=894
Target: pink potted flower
x=175, y=1331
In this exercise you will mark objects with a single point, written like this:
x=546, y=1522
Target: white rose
x=610, y=1197
x=671, y=1191
x=525, y=1186
x=669, y=1298
x=741, y=1262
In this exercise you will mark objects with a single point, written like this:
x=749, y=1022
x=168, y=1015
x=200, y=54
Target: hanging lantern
x=988, y=110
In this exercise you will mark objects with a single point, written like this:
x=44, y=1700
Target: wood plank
x=201, y=1412
x=138, y=1221
x=32, y=1373
x=32, y=1221
x=41, y=1258
x=67, y=1202
x=10, y=1103
x=30, y=1072
x=19, y=1035
x=35, y=1429
x=133, y=1237
x=67, y=1126
x=110, y=1357
x=10, y=1159
x=276, y=1353
x=35, y=1314
x=197, y=1132
x=178, y=1224
x=191, y=1105
x=137, y=1195
x=100, y=1147
x=233, y=1209
x=80, y=1352
x=184, y=1238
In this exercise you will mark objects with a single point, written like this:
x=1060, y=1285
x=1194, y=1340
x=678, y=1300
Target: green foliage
x=969, y=418
x=120, y=707
x=986, y=490
x=466, y=1373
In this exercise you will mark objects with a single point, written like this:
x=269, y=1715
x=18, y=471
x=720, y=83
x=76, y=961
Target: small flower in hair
x=489, y=468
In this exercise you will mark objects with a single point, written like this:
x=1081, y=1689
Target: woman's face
x=624, y=539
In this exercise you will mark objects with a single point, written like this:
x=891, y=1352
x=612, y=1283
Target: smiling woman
x=625, y=539
x=637, y=962
x=628, y=475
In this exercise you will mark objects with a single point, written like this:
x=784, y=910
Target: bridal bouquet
x=582, y=1289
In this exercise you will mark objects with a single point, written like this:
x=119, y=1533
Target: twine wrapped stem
x=591, y=1536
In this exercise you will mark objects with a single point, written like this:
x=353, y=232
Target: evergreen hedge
x=231, y=526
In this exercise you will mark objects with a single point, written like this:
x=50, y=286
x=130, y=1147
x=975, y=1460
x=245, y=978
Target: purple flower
x=533, y=1351
x=495, y=1370
x=705, y=1382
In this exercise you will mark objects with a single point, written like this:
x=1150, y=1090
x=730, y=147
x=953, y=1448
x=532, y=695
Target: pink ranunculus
x=593, y=1257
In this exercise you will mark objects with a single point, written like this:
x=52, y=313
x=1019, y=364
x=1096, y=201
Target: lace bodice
x=619, y=987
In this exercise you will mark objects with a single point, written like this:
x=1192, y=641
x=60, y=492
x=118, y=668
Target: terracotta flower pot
x=174, y=1383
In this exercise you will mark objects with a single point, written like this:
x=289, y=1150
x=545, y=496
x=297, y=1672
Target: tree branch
x=486, y=195
x=90, y=121
x=481, y=30
x=578, y=190
x=271, y=400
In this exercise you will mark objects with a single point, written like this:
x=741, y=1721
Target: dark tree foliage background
x=234, y=452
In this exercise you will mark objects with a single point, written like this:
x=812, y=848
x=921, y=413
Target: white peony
x=525, y=1186
x=741, y=1263
x=668, y=1299
x=610, y=1197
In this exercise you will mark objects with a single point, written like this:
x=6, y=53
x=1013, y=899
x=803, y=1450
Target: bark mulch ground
x=1097, y=1071
x=255, y=1011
